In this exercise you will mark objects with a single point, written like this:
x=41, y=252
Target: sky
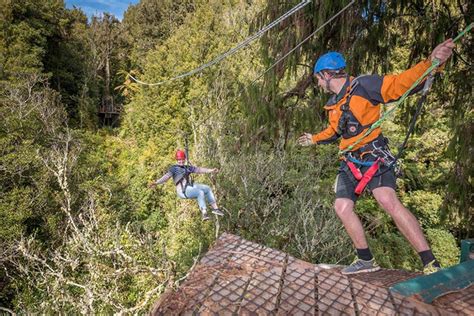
x=95, y=7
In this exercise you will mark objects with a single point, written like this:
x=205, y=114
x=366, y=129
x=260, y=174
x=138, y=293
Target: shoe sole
x=362, y=271
x=218, y=214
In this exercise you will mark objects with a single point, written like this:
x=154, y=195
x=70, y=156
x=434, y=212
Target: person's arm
x=161, y=180
x=205, y=170
x=326, y=136
x=389, y=88
x=394, y=86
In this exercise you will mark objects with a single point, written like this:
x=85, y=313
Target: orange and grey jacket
x=357, y=106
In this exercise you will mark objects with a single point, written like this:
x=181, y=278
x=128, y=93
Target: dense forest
x=80, y=230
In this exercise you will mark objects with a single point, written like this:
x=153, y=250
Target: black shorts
x=346, y=182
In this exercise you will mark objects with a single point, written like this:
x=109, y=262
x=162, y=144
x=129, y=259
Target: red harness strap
x=368, y=175
x=355, y=171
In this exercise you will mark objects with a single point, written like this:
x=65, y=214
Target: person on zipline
x=186, y=188
x=354, y=106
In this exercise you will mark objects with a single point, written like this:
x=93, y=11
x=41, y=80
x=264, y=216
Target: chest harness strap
x=348, y=125
x=189, y=180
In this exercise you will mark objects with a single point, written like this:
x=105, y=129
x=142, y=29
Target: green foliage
x=44, y=37
x=15, y=214
x=285, y=203
x=148, y=23
x=426, y=207
x=100, y=267
x=393, y=251
x=445, y=247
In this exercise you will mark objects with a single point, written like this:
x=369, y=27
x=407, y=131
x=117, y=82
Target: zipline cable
x=231, y=51
x=303, y=41
x=435, y=63
x=278, y=61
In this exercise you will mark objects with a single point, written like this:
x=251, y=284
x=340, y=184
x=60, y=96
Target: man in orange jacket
x=354, y=106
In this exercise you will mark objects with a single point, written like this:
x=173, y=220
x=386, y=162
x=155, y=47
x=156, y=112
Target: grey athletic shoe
x=217, y=211
x=361, y=266
x=205, y=217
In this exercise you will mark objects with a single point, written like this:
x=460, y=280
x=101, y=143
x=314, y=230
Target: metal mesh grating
x=262, y=293
x=225, y=296
x=371, y=298
x=360, y=295
x=240, y=277
x=298, y=293
x=227, y=293
x=385, y=277
x=458, y=302
x=334, y=294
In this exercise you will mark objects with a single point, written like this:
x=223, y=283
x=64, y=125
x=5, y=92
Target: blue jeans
x=198, y=191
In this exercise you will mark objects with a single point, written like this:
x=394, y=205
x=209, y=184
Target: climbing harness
x=231, y=51
x=378, y=150
x=348, y=125
x=187, y=174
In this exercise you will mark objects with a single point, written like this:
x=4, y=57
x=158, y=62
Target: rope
x=186, y=149
x=278, y=61
x=232, y=51
x=435, y=63
x=421, y=100
x=304, y=41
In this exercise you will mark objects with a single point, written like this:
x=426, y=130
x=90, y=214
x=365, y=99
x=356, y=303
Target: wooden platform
x=237, y=276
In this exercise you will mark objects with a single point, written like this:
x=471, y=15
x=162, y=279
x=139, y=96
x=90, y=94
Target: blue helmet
x=329, y=61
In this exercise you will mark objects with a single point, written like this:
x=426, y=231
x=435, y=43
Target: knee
x=388, y=202
x=343, y=207
x=385, y=202
x=201, y=195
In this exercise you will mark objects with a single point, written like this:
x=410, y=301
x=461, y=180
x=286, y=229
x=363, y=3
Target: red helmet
x=180, y=155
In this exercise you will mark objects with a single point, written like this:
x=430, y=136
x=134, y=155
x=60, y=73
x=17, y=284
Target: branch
x=7, y=310
x=300, y=88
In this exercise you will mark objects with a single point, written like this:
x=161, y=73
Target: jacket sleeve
x=394, y=86
x=164, y=178
x=326, y=136
x=389, y=88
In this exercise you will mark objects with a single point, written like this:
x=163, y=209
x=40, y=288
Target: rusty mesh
x=240, y=277
x=298, y=291
x=461, y=302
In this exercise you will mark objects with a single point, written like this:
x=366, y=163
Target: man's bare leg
x=403, y=218
x=345, y=211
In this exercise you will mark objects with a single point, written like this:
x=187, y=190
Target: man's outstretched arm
x=389, y=88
